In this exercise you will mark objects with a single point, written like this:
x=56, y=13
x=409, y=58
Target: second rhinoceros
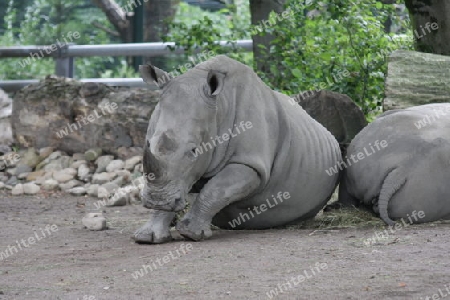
x=407, y=177
x=257, y=160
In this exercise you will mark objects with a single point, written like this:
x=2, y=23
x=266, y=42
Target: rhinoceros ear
x=215, y=82
x=152, y=75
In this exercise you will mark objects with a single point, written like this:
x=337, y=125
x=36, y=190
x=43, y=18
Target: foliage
x=203, y=30
x=44, y=22
x=323, y=44
x=334, y=45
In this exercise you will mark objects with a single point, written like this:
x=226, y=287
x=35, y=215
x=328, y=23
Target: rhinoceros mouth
x=174, y=205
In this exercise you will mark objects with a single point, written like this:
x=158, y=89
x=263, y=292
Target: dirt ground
x=75, y=263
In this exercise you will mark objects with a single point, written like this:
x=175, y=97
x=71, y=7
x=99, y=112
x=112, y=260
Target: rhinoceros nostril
x=177, y=201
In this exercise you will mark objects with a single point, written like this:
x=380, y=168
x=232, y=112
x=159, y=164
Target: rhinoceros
x=403, y=170
x=256, y=160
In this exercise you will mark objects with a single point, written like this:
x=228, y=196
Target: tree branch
x=100, y=26
x=116, y=15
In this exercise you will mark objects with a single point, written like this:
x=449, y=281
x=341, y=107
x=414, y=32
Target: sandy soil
x=74, y=263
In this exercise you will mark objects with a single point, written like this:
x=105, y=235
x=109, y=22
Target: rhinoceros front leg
x=157, y=229
x=233, y=183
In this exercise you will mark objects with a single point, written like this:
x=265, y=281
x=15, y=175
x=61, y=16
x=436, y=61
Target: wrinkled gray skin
x=285, y=150
x=411, y=174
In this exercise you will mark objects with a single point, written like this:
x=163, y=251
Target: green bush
x=43, y=22
x=195, y=28
x=335, y=45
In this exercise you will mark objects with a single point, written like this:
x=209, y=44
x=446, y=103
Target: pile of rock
x=116, y=181
x=6, y=138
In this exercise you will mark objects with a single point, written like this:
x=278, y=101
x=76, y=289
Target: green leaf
x=297, y=73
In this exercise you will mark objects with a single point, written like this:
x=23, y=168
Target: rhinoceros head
x=185, y=117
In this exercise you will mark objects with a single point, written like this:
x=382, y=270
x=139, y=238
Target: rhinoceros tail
x=391, y=184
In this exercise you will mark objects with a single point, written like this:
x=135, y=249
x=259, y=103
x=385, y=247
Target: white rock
x=83, y=171
x=45, y=152
x=101, y=178
x=118, y=181
x=11, y=171
x=115, y=165
x=53, y=166
x=70, y=171
x=50, y=185
x=102, y=162
x=31, y=188
x=77, y=191
x=118, y=199
x=71, y=184
x=17, y=190
x=23, y=175
x=2, y=185
x=63, y=176
x=139, y=168
x=92, y=190
x=78, y=163
x=54, y=155
x=125, y=174
x=131, y=162
x=94, y=221
x=106, y=190
x=122, y=196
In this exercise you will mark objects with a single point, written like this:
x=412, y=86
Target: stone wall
x=6, y=138
x=416, y=78
x=71, y=116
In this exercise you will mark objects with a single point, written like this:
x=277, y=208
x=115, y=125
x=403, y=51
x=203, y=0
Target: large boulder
x=6, y=138
x=74, y=117
x=336, y=112
x=416, y=78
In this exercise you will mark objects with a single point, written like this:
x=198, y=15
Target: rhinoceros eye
x=195, y=151
x=192, y=150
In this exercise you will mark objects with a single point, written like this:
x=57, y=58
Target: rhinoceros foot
x=193, y=230
x=150, y=234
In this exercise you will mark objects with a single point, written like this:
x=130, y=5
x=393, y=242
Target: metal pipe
x=137, y=49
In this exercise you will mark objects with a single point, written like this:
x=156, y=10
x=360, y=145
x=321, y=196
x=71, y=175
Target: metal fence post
x=64, y=65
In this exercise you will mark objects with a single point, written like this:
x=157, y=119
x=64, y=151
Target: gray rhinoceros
x=404, y=169
x=256, y=160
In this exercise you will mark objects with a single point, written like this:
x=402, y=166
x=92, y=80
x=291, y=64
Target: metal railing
x=64, y=56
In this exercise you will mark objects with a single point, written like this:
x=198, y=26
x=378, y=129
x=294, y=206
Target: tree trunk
x=158, y=15
x=430, y=25
x=118, y=18
x=260, y=10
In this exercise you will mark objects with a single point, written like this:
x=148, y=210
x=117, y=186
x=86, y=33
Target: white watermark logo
x=441, y=294
x=25, y=243
x=428, y=120
x=9, y=160
x=336, y=77
x=296, y=280
x=72, y=127
x=49, y=49
x=181, y=69
x=243, y=217
x=271, y=21
x=383, y=235
x=341, y=165
x=217, y=140
x=184, y=249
